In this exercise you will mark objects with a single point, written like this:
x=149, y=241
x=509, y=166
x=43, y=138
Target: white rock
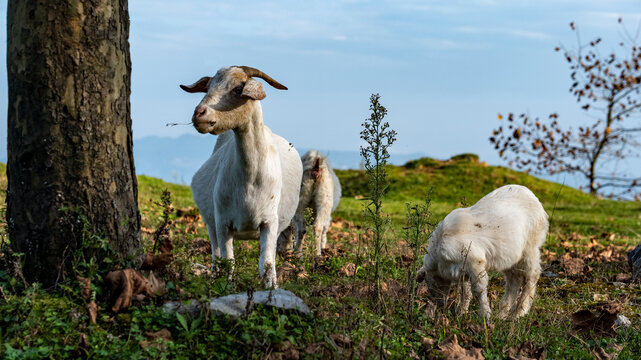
x=236, y=304
x=622, y=322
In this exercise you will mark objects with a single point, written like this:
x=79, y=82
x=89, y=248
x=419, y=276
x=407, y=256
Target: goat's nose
x=200, y=111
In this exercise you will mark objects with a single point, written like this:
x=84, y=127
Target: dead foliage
x=288, y=271
x=126, y=285
x=611, y=352
x=92, y=310
x=600, y=322
x=85, y=287
x=348, y=269
x=451, y=350
x=83, y=342
x=155, y=339
x=390, y=289
x=200, y=246
x=159, y=261
x=525, y=351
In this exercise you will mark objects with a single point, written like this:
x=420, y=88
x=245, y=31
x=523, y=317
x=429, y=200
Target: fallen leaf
x=526, y=350
x=156, y=285
x=160, y=334
x=85, y=287
x=348, y=269
x=341, y=340
x=572, y=266
x=286, y=271
x=600, y=297
x=83, y=342
x=602, y=323
x=92, y=309
x=623, y=277
x=153, y=337
x=451, y=350
x=601, y=354
x=124, y=285
x=428, y=343
x=154, y=262
x=430, y=309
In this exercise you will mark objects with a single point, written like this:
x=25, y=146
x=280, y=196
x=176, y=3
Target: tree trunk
x=69, y=132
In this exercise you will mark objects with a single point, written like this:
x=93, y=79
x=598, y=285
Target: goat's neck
x=252, y=144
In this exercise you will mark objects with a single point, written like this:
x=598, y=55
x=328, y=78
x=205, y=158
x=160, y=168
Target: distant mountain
x=177, y=159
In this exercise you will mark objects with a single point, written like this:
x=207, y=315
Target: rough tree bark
x=69, y=135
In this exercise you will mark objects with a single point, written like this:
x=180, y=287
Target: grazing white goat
x=248, y=188
x=501, y=232
x=320, y=190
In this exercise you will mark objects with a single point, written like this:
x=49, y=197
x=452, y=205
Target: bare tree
x=607, y=88
x=70, y=160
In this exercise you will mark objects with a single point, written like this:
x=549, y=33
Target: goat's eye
x=238, y=89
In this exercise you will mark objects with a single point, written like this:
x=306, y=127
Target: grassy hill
x=461, y=180
x=590, y=232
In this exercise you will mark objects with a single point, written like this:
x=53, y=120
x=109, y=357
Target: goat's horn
x=251, y=72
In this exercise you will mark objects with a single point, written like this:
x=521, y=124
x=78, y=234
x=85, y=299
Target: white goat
x=501, y=232
x=248, y=188
x=320, y=190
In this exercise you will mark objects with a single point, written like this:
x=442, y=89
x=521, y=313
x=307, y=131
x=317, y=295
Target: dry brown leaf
x=348, y=269
x=341, y=340
x=602, y=323
x=160, y=334
x=525, y=351
x=156, y=284
x=165, y=246
x=428, y=343
x=430, y=309
x=85, y=287
x=601, y=354
x=451, y=350
x=572, y=266
x=92, y=309
x=599, y=297
x=83, y=342
x=201, y=245
x=285, y=272
x=623, y=277
x=153, y=337
x=154, y=262
x=124, y=285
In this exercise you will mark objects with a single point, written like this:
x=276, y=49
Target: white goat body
x=503, y=232
x=248, y=188
x=321, y=191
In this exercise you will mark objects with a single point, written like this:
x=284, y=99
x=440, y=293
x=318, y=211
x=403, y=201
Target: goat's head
x=231, y=96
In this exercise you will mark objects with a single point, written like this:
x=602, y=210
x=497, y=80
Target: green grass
x=35, y=324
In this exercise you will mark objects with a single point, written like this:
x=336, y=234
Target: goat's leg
x=318, y=234
x=479, y=280
x=215, y=250
x=300, y=230
x=465, y=297
x=531, y=270
x=324, y=235
x=440, y=290
x=225, y=240
x=267, y=261
x=513, y=283
x=321, y=225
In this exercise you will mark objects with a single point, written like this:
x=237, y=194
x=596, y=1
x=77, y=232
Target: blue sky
x=444, y=69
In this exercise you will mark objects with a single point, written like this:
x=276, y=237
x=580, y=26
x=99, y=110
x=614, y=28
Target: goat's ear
x=254, y=90
x=198, y=86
